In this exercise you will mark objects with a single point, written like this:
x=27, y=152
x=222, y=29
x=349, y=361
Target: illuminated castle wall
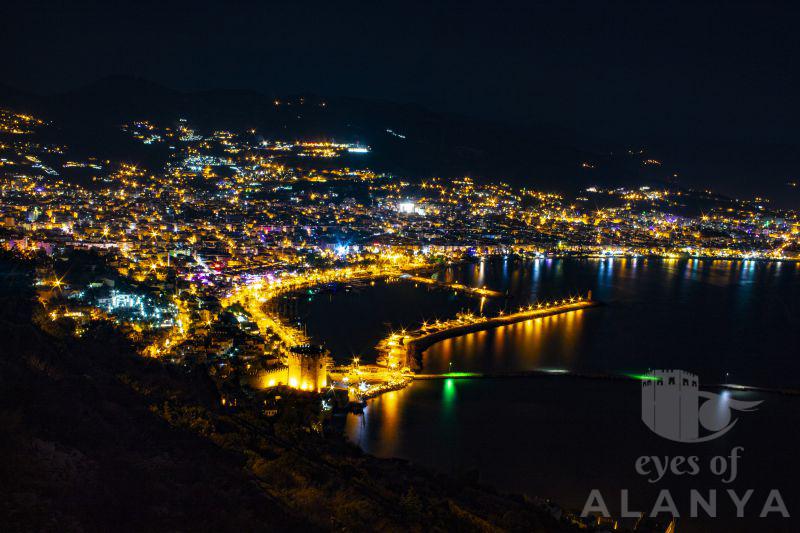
x=273, y=377
x=306, y=369
x=670, y=404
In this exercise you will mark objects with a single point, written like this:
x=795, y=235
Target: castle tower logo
x=674, y=407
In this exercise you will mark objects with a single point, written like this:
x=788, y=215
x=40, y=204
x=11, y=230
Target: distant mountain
x=20, y=100
x=412, y=141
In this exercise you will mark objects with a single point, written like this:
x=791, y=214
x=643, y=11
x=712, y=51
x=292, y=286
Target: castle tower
x=307, y=367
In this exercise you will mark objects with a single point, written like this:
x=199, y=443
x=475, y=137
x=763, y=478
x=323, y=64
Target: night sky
x=649, y=71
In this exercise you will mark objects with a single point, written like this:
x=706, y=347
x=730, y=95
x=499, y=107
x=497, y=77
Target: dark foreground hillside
x=95, y=438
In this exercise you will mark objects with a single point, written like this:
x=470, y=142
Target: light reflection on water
x=527, y=345
x=561, y=436
x=710, y=316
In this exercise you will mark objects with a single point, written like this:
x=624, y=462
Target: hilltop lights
x=406, y=207
x=234, y=220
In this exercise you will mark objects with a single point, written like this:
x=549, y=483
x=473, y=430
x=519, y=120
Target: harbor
x=401, y=350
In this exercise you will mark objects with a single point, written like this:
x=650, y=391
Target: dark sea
x=562, y=434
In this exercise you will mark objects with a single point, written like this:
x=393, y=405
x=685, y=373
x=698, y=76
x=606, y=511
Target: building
x=308, y=367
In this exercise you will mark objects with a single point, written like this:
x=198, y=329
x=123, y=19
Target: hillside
x=430, y=143
x=407, y=139
x=96, y=438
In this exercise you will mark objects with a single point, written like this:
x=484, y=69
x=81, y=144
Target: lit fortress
x=306, y=368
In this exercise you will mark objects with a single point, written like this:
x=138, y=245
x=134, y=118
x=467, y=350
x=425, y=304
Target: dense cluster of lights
x=235, y=220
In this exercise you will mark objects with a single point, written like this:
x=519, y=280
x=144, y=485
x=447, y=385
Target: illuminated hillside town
x=200, y=261
x=386, y=267
x=189, y=258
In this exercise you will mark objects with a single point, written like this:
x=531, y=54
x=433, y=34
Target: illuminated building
x=307, y=367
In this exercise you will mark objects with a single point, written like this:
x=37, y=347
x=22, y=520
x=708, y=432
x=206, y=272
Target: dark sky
x=653, y=70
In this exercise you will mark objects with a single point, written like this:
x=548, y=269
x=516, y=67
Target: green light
x=448, y=395
x=461, y=374
x=643, y=377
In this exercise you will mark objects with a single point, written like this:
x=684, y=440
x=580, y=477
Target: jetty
x=458, y=287
x=403, y=349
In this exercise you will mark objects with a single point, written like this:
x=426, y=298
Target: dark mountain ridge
x=414, y=142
